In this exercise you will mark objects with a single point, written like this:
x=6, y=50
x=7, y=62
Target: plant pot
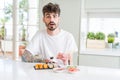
x=111, y=39
x=110, y=45
x=95, y=44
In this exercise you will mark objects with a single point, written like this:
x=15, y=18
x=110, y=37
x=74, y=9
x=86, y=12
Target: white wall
x=102, y=5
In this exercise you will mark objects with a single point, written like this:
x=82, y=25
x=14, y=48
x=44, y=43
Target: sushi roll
x=41, y=66
x=55, y=65
x=37, y=66
x=50, y=65
x=45, y=66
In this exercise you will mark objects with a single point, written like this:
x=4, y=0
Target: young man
x=53, y=42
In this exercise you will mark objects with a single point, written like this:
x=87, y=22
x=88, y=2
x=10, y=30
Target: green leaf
x=100, y=36
x=91, y=35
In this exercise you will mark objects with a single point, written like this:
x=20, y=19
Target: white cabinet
x=102, y=59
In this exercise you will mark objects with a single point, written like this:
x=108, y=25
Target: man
x=53, y=42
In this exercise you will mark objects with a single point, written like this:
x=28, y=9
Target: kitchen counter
x=16, y=70
x=100, y=57
x=102, y=52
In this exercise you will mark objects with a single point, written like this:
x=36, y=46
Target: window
x=6, y=27
x=107, y=22
x=6, y=18
x=27, y=23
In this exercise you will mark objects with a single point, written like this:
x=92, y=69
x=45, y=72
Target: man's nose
x=51, y=19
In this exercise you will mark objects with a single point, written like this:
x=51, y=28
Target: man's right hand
x=63, y=57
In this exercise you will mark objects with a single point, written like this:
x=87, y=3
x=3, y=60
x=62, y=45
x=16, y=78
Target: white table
x=15, y=70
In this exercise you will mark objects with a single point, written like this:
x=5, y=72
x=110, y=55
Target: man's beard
x=50, y=26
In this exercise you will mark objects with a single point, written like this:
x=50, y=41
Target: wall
x=102, y=5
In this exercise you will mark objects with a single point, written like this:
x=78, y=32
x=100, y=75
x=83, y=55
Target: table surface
x=16, y=70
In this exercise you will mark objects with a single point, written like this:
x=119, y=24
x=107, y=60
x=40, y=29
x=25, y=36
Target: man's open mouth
x=51, y=23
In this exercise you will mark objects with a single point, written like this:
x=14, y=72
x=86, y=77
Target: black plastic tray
x=42, y=68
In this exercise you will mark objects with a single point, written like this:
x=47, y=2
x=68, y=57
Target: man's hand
x=63, y=57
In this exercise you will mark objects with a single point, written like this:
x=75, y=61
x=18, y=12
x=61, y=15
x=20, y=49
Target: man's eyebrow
x=47, y=14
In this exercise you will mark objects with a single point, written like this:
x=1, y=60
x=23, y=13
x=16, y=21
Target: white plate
x=58, y=69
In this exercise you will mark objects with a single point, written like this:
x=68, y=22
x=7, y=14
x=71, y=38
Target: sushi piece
x=37, y=66
x=51, y=66
x=40, y=66
x=55, y=65
x=45, y=66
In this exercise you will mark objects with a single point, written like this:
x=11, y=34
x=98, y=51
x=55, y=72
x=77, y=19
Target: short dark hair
x=51, y=8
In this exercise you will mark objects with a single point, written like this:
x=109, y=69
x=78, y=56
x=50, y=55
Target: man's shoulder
x=40, y=32
x=65, y=32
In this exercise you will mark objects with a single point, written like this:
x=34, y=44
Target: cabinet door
x=100, y=61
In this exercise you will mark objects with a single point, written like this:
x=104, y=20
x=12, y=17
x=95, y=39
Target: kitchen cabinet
x=103, y=58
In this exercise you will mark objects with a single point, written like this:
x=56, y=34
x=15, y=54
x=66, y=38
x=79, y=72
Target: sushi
x=45, y=66
x=50, y=65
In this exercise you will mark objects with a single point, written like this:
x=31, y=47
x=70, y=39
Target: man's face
x=51, y=21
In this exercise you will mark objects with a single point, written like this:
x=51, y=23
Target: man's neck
x=53, y=33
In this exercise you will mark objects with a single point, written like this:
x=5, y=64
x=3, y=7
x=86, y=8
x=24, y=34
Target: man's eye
x=54, y=16
x=47, y=16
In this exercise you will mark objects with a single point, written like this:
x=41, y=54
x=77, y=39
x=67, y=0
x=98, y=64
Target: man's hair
x=51, y=8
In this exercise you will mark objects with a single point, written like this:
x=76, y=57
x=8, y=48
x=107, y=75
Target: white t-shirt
x=48, y=46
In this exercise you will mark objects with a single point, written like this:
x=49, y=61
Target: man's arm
x=27, y=56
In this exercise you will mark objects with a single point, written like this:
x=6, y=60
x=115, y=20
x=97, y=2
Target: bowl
x=72, y=69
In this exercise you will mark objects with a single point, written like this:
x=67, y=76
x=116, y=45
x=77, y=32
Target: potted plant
x=23, y=10
x=95, y=40
x=22, y=34
x=2, y=29
x=91, y=35
x=4, y=20
x=100, y=36
x=110, y=39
